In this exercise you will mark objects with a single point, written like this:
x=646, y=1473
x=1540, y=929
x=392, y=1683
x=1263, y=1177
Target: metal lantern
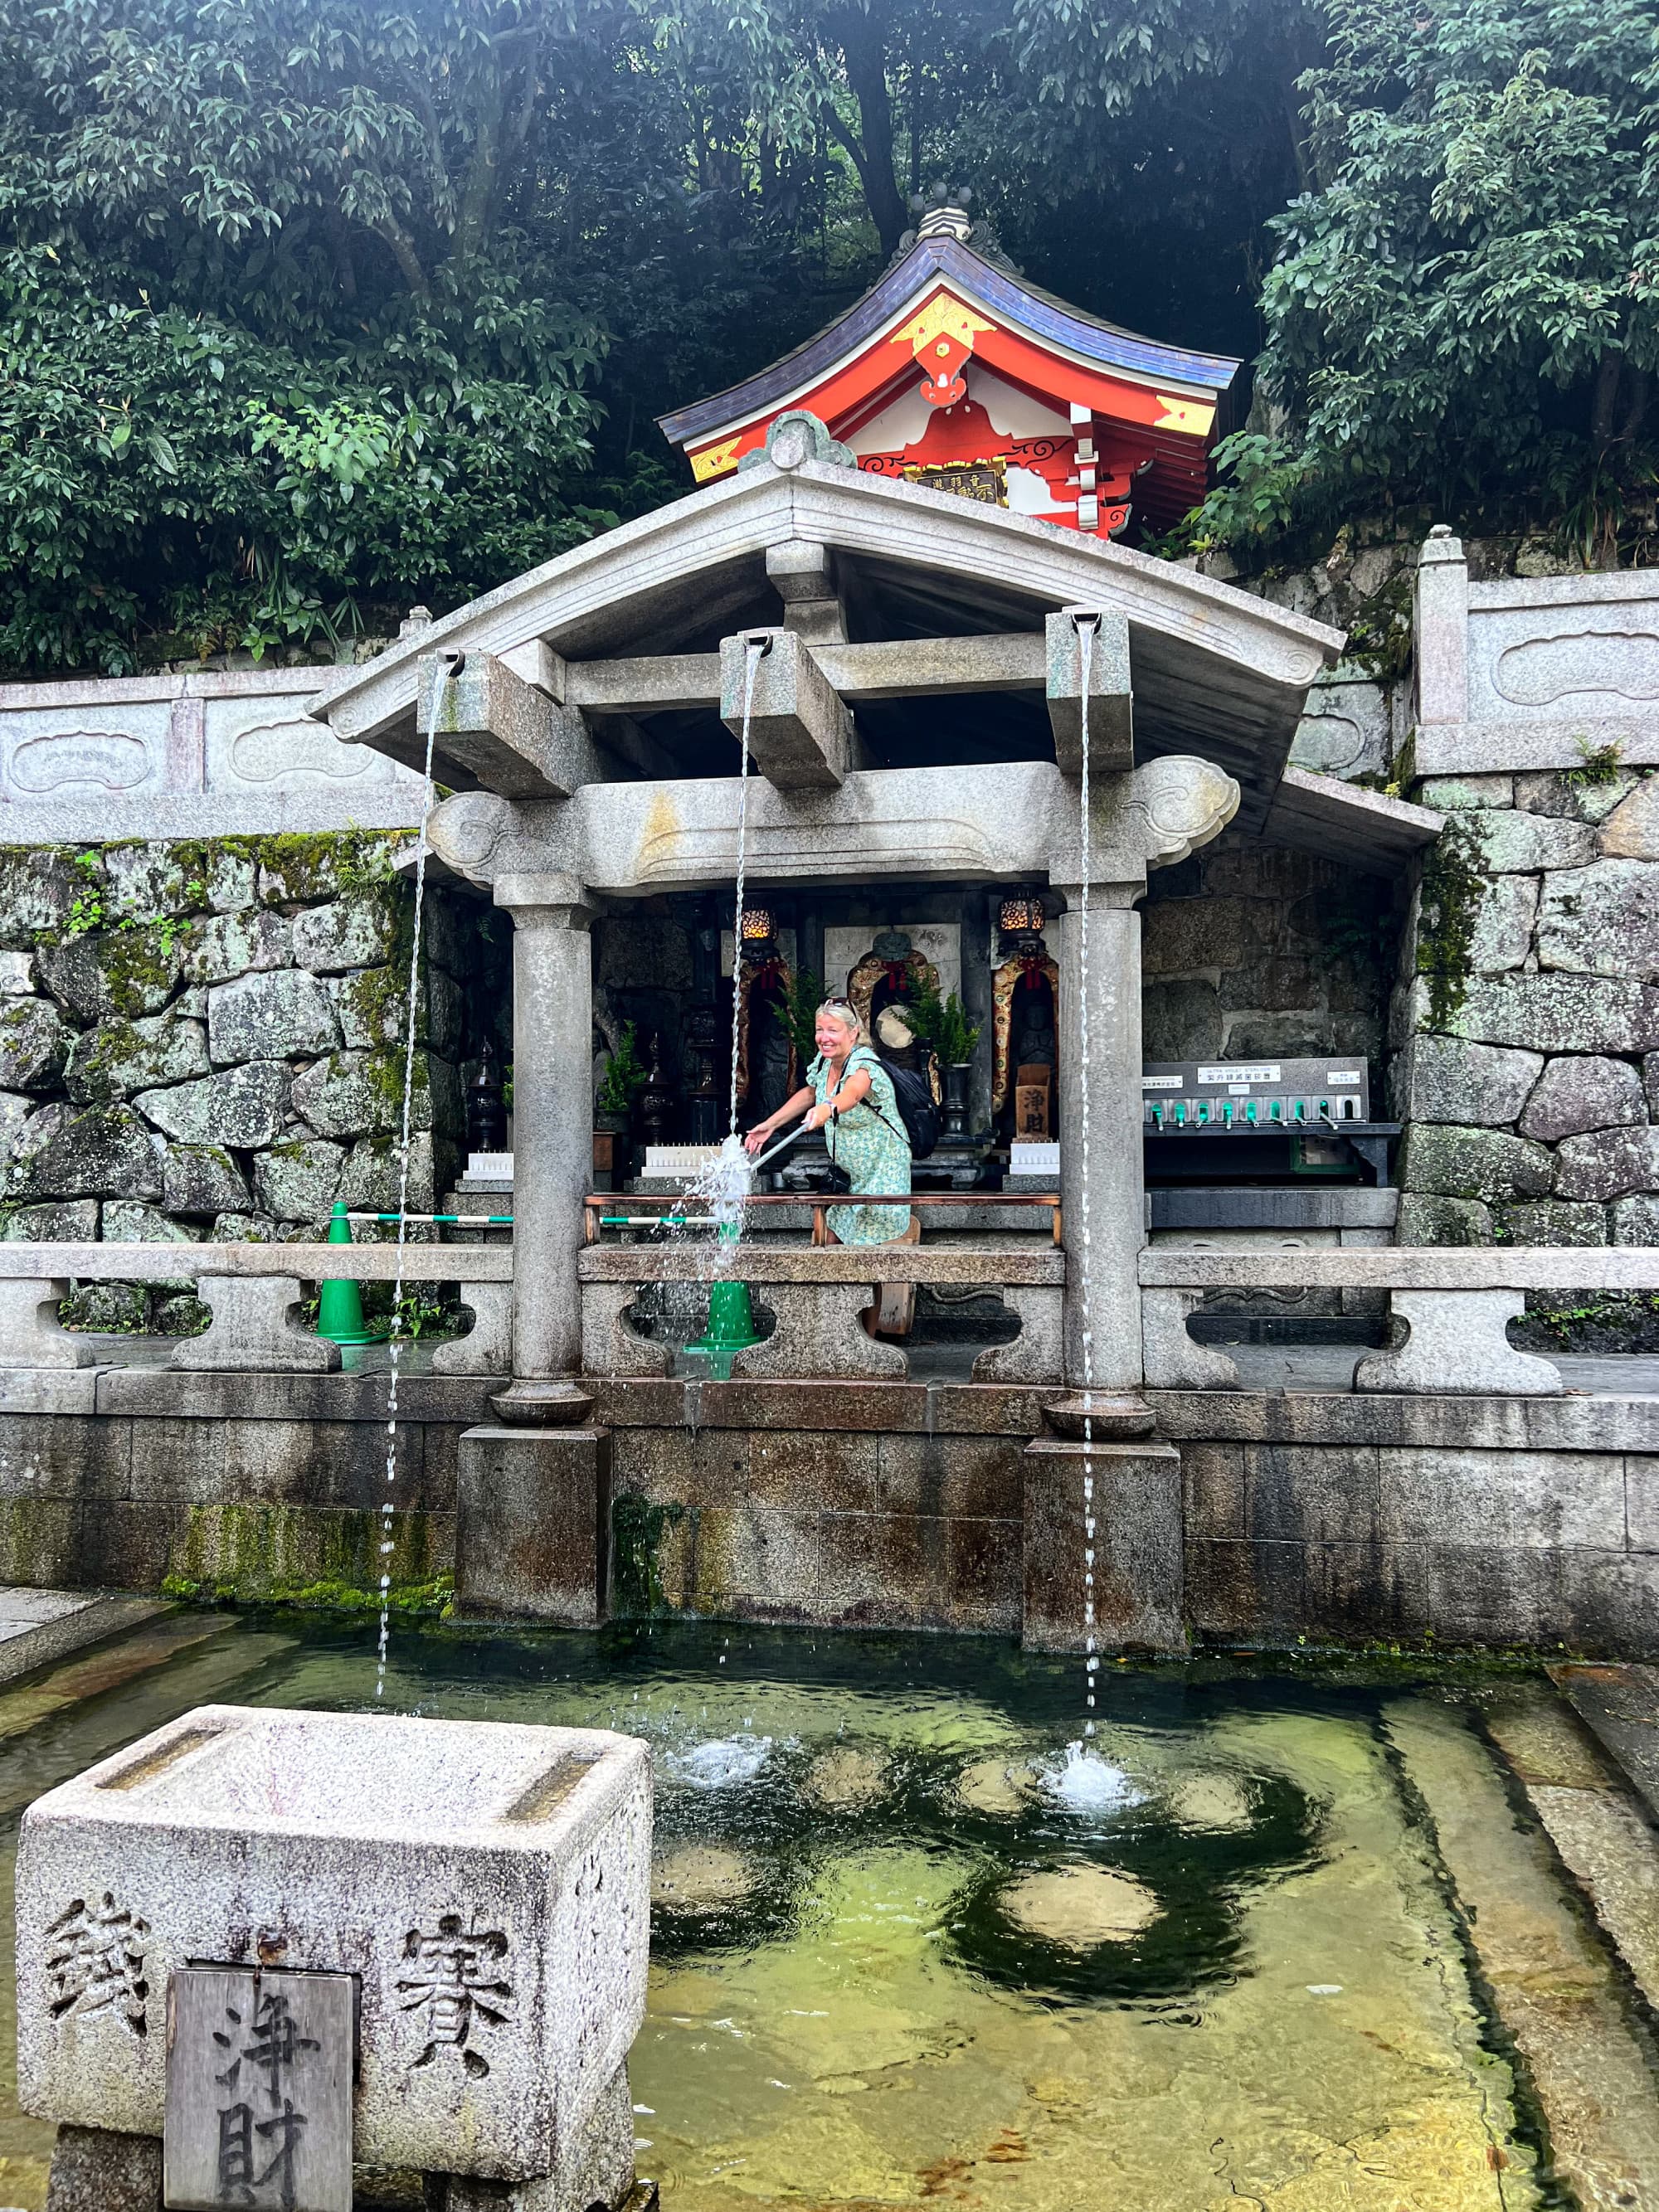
x=756, y=924
x=1021, y=914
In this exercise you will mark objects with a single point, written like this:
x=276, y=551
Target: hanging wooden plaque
x=259, y=2103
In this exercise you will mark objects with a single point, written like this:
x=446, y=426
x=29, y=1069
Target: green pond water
x=909, y=1946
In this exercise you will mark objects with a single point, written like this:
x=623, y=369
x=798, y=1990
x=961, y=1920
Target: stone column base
x=254, y=1330
x=95, y=2170
x=487, y=1348
x=31, y=1334
x=597, y=2170
x=533, y=1531
x=1139, y=1558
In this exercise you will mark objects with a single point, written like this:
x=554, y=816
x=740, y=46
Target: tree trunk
x=867, y=77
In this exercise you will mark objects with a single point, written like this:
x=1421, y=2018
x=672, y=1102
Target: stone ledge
x=1340, y=1418
x=1404, y=1268
x=160, y=1393
x=362, y=1263
x=976, y=1409
x=1500, y=748
x=831, y=1263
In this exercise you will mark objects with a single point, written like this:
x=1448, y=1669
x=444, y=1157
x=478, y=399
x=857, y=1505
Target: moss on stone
x=637, y=1528
x=1453, y=885
x=259, y=1554
x=136, y=963
x=434, y=1596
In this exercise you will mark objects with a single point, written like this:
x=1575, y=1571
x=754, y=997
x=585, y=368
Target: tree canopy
x=1464, y=309
x=312, y=308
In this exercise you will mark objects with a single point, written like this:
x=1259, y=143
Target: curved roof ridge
x=1108, y=345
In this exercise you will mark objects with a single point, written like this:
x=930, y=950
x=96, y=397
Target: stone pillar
x=552, y=1118
x=1441, y=625
x=1117, y=1201
x=1139, y=1587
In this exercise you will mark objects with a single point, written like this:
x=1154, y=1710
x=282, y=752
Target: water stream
x=721, y=1188
x=389, y=1496
x=1086, y=637
x=754, y=647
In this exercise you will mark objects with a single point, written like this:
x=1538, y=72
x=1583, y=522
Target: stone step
x=1599, y=1825
x=1621, y=1705
x=39, y=1626
x=1555, y=1987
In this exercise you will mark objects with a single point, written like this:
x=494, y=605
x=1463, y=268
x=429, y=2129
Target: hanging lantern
x=756, y=924
x=1021, y=914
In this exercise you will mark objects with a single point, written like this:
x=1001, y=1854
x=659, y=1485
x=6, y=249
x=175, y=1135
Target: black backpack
x=914, y=1096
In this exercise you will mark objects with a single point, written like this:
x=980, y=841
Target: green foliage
x=1464, y=303
x=1598, y=765
x=313, y=308
x=277, y=350
x=625, y=1077
x=941, y=1025
x=803, y=994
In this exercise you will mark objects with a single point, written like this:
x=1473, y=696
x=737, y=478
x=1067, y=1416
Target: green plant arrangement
x=942, y=1025
x=625, y=1077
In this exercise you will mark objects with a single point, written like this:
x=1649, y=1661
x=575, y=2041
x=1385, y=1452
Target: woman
x=849, y=1095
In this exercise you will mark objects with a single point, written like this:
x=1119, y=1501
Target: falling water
x=723, y=1185
x=1085, y=635
x=439, y=681
x=753, y=649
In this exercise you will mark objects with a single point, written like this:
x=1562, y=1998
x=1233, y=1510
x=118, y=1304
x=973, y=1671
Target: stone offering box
x=488, y=1886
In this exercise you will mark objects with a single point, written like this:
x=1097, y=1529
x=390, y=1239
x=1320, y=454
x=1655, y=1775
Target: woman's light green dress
x=874, y=1151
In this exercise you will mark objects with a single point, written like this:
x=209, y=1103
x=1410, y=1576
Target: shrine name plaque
x=986, y=481
x=259, y=2103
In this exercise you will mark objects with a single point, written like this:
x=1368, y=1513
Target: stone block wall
x=1525, y=1029
x=1250, y=949
x=204, y=1040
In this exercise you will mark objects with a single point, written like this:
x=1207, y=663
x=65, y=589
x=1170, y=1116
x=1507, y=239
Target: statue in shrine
x=1025, y=1024
x=767, y=1068
x=656, y=1102
x=891, y=970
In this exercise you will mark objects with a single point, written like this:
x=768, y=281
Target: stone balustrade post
x=1116, y=1183
x=552, y=1116
x=1440, y=611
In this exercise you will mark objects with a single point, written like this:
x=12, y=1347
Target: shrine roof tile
x=931, y=259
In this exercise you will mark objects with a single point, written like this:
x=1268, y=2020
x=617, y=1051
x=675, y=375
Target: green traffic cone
x=340, y=1305
x=731, y=1321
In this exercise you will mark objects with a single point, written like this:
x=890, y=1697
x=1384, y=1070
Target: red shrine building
x=951, y=371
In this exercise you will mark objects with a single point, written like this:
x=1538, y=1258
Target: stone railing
x=1456, y=1304
x=252, y=1292
x=817, y=1296
x=207, y=753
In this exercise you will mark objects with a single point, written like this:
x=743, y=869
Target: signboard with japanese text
x=258, y=2091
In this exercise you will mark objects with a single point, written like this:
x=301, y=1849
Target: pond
x=913, y=1942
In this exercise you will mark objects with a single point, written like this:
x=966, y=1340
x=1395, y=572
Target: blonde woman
x=848, y=1094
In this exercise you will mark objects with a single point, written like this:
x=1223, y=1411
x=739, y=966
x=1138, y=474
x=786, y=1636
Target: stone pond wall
x=203, y=1040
